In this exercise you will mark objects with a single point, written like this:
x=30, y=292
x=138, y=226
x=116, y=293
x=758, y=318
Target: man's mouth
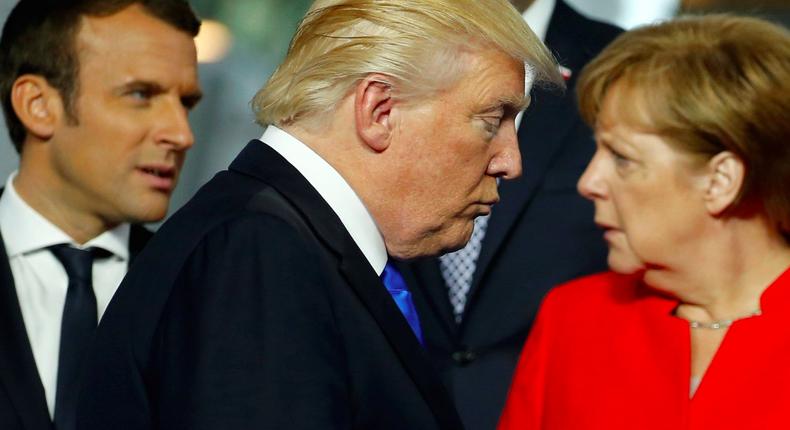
x=160, y=172
x=160, y=177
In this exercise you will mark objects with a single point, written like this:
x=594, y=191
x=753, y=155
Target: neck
x=371, y=174
x=55, y=204
x=729, y=280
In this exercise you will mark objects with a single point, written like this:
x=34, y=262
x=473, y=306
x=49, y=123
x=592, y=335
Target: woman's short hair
x=414, y=42
x=708, y=84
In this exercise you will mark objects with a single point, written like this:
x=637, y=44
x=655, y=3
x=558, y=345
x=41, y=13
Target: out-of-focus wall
x=774, y=10
x=8, y=157
x=627, y=13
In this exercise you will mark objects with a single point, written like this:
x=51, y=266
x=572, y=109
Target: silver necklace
x=720, y=324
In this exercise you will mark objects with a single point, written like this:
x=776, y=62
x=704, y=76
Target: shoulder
x=253, y=234
x=600, y=293
x=218, y=236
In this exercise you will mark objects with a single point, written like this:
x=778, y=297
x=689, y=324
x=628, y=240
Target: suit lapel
x=432, y=301
x=261, y=161
x=18, y=372
x=540, y=135
x=138, y=237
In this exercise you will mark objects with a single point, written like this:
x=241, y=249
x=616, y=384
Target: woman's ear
x=726, y=173
x=372, y=108
x=37, y=104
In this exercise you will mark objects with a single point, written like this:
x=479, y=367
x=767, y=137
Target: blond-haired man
x=477, y=305
x=269, y=301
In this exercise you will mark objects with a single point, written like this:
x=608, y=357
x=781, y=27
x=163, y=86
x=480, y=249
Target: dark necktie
x=400, y=293
x=79, y=323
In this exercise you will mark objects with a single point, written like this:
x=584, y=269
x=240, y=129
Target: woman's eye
x=620, y=160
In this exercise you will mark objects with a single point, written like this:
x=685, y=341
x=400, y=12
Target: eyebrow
x=189, y=100
x=514, y=104
x=613, y=141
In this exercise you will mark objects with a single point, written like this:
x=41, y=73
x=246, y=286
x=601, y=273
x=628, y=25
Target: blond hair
x=414, y=42
x=708, y=84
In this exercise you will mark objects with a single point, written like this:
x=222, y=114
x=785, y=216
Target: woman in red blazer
x=691, y=185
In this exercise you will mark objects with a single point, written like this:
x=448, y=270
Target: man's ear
x=37, y=104
x=372, y=108
x=726, y=173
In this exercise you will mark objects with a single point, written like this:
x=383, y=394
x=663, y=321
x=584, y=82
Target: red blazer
x=607, y=353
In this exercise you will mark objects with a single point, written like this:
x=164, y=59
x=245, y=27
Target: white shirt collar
x=336, y=191
x=538, y=15
x=25, y=230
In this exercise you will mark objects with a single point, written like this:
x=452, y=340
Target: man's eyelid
x=148, y=88
x=495, y=115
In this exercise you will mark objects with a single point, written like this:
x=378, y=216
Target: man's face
x=452, y=148
x=137, y=82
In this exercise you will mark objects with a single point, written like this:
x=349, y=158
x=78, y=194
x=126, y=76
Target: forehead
x=492, y=77
x=625, y=104
x=132, y=44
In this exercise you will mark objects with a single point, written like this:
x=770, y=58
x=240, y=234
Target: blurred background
x=242, y=41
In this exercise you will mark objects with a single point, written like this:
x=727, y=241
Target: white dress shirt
x=41, y=281
x=335, y=191
x=538, y=15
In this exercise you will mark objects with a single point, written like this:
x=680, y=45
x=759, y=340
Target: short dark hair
x=39, y=37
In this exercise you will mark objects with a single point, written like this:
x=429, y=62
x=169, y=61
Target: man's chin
x=435, y=243
x=148, y=213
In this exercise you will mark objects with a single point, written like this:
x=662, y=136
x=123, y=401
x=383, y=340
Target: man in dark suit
x=95, y=95
x=477, y=305
x=268, y=301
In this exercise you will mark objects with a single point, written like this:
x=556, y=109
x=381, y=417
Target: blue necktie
x=400, y=293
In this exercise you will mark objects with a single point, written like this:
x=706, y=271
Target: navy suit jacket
x=253, y=308
x=540, y=234
x=23, y=405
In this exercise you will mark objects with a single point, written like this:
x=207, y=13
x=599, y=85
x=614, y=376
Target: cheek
x=647, y=229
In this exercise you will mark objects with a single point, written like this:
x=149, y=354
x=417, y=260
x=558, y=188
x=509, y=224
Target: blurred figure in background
x=477, y=304
x=96, y=96
x=268, y=300
x=692, y=121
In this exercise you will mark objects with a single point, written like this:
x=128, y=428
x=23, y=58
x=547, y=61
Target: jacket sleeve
x=245, y=339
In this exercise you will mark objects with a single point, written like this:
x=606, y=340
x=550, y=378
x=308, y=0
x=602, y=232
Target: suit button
x=463, y=358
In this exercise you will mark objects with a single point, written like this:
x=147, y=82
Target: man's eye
x=492, y=124
x=139, y=94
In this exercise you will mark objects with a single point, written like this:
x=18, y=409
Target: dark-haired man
x=96, y=95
